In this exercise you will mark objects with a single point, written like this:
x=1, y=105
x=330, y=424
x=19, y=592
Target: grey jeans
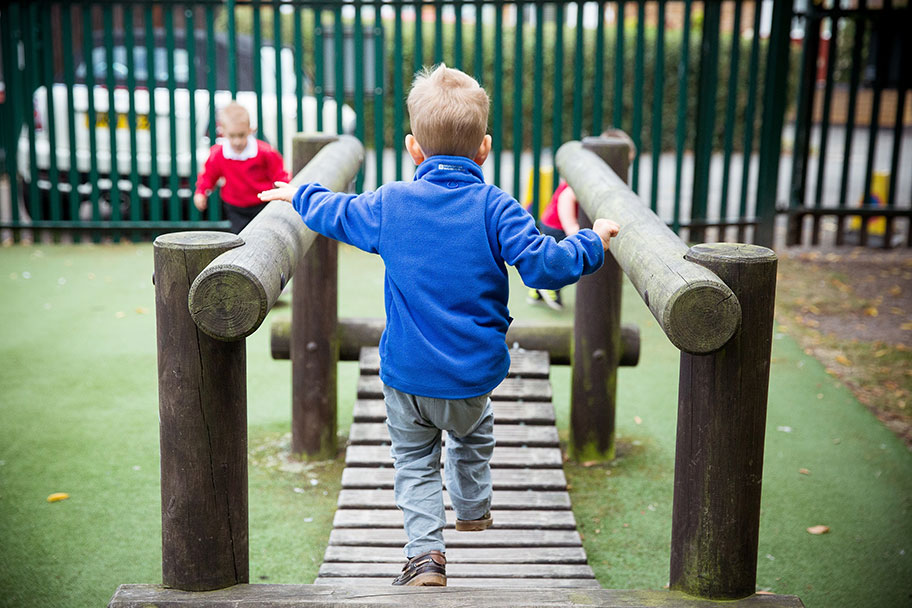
x=414, y=426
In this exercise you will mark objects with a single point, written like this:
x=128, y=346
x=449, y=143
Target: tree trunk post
x=202, y=397
x=314, y=341
x=597, y=345
x=722, y=400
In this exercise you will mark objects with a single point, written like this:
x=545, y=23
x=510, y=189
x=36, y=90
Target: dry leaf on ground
x=818, y=529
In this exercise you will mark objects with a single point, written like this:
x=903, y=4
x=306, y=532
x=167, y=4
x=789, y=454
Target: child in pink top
x=246, y=165
x=558, y=220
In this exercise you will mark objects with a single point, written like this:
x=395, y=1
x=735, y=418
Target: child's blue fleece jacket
x=444, y=239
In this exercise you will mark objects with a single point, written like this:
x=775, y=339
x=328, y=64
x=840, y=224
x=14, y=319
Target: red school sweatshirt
x=244, y=179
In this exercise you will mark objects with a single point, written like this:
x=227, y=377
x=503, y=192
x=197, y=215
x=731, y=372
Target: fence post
x=597, y=335
x=314, y=343
x=722, y=400
x=202, y=400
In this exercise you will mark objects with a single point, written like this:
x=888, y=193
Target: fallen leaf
x=141, y=311
x=842, y=360
x=818, y=530
x=804, y=471
x=895, y=290
x=638, y=420
x=120, y=314
x=590, y=463
x=906, y=326
x=871, y=311
x=762, y=592
x=57, y=497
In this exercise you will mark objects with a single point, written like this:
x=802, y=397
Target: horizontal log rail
x=232, y=296
x=696, y=310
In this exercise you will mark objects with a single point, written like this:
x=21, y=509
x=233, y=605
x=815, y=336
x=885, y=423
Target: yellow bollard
x=545, y=189
x=880, y=187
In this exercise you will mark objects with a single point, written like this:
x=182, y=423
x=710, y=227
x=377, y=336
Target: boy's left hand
x=282, y=192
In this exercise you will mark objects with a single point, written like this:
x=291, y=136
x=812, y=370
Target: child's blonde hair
x=233, y=113
x=448, y=111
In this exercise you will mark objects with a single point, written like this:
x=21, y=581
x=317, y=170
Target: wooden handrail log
x=231, y=297
x=357, y=332
x=695, y=309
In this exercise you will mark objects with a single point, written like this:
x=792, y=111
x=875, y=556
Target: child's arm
x=350, y=218
x=206, y=180
x=567, y=211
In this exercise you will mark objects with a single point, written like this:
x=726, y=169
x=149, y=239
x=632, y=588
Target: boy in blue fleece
x=445, y=239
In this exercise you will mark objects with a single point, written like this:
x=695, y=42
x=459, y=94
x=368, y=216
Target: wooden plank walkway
x=533, y=542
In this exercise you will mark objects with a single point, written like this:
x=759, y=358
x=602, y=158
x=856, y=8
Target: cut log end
x=701, y=319
x=228, y=303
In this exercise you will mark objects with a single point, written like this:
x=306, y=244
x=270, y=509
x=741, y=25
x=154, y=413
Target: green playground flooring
x=78, y=414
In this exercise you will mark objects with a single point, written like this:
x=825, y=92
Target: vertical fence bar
x=748, y=145
x=419, y=36
x=706, y=119
x=902, y=88
x=854, y=79
x=774, y=96
x=497, y=110
x=113, y=173
x=232, y=48
x=457, y=36
x=174, y=203
x=314, y=338
x=807, y=83
x=517, y=100
x=358, y=37
x=256, y=60
x=213, y=208
x=722, y=400
x=10, y=34
x=190, y=37
x=319, y=62
x=438, y=31
x=398, y=95
x=873, y=128
x=578, y=62
x=66, y=24
x=681, y=122
x=638, y=69
x=597, y=107
x=379, y=83
x=297, y=15
x=537, y=108
x=832, y=54
x=557, y=117
x=339, y=64
x=730, y=106
x=155, y=204
x=658, y=97
x=47, y=68
x=597, y=345
x=618, y=114
x=478, y=43
x=88, y=34
x=130, y=44
x=279, y=89
x=202, y=401
x=30, y=50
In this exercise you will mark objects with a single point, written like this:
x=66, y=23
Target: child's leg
x=418, y=486
x=468, y=468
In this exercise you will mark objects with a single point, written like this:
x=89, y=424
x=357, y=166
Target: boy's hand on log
x=281, y=192
x=605, y=229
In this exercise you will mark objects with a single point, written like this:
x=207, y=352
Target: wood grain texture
x=376, y=433
x=504, y=457
x=506, y=499
x=506, y=519
x=462, y=570
x=461, y=555
x=695, y=309
x=502, y=479
x=507, y=412
x=391, y=537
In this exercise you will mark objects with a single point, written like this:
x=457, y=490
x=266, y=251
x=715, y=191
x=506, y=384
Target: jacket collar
x=457, y=168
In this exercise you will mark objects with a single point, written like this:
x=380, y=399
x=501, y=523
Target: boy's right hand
x=200, y=201
x=605, y=229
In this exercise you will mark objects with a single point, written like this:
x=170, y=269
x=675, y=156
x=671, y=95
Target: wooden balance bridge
x=714, y=303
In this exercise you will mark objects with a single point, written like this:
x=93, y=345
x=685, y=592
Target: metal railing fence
x=703, y=89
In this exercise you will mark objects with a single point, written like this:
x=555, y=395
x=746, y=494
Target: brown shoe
x=475, y=525
x=425, y=570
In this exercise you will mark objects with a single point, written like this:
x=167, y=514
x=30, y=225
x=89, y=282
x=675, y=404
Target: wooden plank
x=520, y=571
x=504, y=457
x=503, y=479
x=511, y=389
x=523, y=363
x=507, y=412
x=530, y=595
x=365, y=433
x=461, y=555
x=389, y=518
x=505, y=499
x=573, y=583
x=392, y=537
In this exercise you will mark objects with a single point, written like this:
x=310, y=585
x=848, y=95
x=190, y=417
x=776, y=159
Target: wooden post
x=721, y=421
x=202, y=397
x=597, y=336
x=314, y=344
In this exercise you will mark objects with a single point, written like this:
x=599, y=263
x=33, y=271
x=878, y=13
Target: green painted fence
x=716, y=96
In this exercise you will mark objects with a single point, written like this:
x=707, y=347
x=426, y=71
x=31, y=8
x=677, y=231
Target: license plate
x=101, y=121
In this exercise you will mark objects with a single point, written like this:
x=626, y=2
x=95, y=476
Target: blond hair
x=448, y=111
x=233, y=113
